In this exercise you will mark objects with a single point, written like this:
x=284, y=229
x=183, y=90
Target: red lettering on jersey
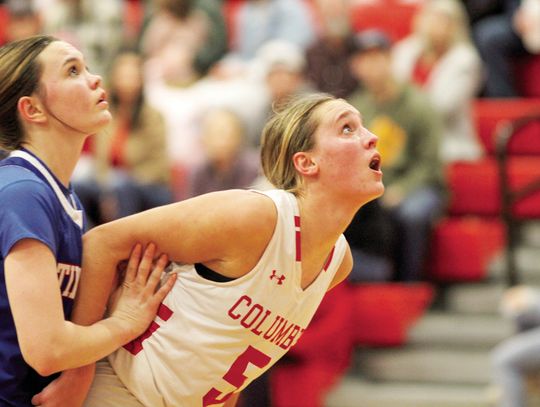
x=236, y=304
x=136, y=345
x=235, y=375
x=256, y=329
x=281, y=333
x=286, y=344
x=277, y=322
x=256, y=307
x=251, y=315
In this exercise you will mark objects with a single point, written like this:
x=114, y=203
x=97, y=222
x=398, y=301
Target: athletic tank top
x=211, y=339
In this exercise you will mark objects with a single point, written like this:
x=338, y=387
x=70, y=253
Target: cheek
x=342, y=160
x=65, y=99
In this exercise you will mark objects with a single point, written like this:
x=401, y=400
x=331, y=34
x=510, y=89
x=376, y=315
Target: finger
x=146, y=263
x=160, y=294
x=37, y=399
x=157, y=272
x=133, y=263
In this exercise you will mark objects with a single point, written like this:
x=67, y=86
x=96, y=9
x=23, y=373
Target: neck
x=322, y=223
x=60, y=152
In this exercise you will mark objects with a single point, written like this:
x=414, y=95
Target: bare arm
x=48, y=342
x=228, y=231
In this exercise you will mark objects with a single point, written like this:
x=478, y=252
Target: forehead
x=332, y=111
x=57, y=54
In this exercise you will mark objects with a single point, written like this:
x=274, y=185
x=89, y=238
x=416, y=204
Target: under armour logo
x=279, y=279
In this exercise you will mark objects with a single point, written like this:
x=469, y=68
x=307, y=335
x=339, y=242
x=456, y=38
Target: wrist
x=123, y=330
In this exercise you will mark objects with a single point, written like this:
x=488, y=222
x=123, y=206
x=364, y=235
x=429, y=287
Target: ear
x=31, y=110
x=305, y=164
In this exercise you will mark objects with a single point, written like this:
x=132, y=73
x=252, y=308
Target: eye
x=347, y=129
x=73, y=70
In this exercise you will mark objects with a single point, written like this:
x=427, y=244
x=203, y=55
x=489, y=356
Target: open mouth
x=375, y=163
x=103, y=98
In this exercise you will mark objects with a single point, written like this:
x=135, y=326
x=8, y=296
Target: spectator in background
x=501, y=37
x=439, y=57
x=173, y=87
x=328, y=58
x=93, y=26
x=131, y=168
x=408, y=130
x=518, y=355
x=229, y=165
x=284, y=64
x=259, y=21
x=198, y=25
x=24, y=20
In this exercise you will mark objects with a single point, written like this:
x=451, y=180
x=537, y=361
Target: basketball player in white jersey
x=252, y=266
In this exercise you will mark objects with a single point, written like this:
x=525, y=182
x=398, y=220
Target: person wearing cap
x=409, y=131
x=440, y=58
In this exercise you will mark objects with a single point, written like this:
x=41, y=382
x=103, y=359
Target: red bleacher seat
x=393, y=17
x=465, y=242
x=463, y=247
x=488, y=113
x=527, y=74
x=4, y=19
x=385, y=312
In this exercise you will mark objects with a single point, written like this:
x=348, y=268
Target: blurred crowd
x=191, y=84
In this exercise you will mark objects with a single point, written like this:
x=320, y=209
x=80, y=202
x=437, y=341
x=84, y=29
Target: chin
x=374, y=194
x=103, y=122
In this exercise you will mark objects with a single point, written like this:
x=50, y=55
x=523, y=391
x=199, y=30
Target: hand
x=68, y=390
x=135, y=303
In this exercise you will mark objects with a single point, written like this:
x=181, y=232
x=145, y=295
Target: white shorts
x=108, y=391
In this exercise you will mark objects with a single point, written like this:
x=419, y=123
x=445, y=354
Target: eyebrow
x=347, y=113
x=70, y=60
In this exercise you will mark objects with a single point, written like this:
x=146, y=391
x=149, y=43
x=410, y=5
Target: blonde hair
x=289, y=131
x=454, y=9
x=20, y=73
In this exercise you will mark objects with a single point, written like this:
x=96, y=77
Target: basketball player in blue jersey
x=49, y=104
x=252, y=266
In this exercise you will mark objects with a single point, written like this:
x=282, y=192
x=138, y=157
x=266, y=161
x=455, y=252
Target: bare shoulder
x=245, y=222
x=244, y=212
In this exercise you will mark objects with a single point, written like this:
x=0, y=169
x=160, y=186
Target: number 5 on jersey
x=235, y=374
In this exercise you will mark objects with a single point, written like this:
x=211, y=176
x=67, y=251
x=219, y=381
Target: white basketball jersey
x=211, y=339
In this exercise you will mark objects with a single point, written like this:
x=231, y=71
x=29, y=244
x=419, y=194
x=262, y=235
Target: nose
x=370, y=139
x=95, y=81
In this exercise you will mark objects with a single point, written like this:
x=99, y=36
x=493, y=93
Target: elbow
x=46, y=353
x=44, y=360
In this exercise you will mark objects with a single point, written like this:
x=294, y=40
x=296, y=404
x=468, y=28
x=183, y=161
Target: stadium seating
x=472, y=234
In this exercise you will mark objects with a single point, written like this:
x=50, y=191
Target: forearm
x=73, y=345
x=100, y=258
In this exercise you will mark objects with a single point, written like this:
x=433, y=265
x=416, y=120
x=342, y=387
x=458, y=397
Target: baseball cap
x=370, y=40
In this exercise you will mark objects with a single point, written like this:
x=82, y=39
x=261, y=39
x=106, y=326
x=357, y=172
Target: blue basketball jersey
x=34, y=205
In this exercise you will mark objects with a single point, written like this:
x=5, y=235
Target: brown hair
x=20, y=72
x=289, y=131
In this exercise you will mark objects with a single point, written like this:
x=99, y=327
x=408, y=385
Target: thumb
x=37, y=399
